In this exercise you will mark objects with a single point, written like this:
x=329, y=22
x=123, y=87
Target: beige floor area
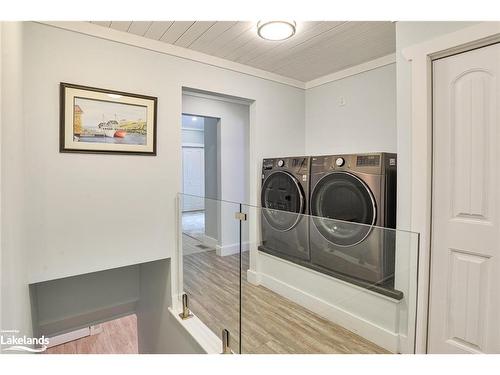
x=270, y=323
x=118, y=336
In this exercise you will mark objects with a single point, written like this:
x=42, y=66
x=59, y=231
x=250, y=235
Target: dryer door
x=282, y=196
x=347, y=199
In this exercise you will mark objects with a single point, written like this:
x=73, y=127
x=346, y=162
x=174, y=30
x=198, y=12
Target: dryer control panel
x=293, y=164
x=368, y=161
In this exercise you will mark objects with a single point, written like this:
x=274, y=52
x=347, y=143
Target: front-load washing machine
x=284, y=200
x=351, y=197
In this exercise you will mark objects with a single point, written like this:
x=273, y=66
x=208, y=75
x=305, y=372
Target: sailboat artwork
x=107, y=121
x=119, y=123
x=111, y=128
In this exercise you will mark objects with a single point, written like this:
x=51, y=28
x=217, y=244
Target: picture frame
x=103, y=121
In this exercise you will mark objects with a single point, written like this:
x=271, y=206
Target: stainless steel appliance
x=284, y=200
x=355, y=193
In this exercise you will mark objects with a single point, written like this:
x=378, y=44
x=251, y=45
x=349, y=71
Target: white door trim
x=421, y=56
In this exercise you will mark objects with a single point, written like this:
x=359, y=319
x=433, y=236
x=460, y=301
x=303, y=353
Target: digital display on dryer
x=368, y=161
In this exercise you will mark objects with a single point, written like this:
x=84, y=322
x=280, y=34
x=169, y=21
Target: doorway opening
x=200, y=177
x=464, y=245
x=215, y=167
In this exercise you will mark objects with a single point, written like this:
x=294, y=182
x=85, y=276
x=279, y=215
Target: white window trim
x=421, y=56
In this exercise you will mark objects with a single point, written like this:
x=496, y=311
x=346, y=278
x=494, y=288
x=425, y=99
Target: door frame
x=421, y=56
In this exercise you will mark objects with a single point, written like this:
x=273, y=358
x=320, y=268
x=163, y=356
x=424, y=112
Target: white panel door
x=193, y=166
x=464, y=308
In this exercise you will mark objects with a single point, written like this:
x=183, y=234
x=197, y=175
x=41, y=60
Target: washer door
x=347, y=199
x=283, y=200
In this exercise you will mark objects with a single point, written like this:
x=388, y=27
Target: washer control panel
x=267, y=165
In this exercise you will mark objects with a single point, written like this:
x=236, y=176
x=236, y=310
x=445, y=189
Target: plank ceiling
x=317, y=49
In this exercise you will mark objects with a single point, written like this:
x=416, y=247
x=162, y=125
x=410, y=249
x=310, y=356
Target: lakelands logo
x=10, y=341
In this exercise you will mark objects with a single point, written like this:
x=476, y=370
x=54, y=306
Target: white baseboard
x=68, y=324
x=253, y=277
x=404, y=342
x=69, y=336
x=370, y=331
x=231, y=249
x=209, y=241
x=95, y=330
x=364, y=312
x=74, y=335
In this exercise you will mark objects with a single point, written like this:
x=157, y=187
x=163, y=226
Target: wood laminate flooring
x=118, y=336
x=270, y=323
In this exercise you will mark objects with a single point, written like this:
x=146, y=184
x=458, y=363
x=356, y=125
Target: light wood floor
x=118, y=336
x=270, y=322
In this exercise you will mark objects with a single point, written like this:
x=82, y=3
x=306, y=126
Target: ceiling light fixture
x=276, y=30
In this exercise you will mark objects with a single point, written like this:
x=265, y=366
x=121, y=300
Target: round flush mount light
x=276, y=30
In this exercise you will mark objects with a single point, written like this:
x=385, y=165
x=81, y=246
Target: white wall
x=15, y=305
x=365, y=123
x=125, y=204
x=407, y=34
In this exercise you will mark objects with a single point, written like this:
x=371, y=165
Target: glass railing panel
x=318, y=285
x=209, y=262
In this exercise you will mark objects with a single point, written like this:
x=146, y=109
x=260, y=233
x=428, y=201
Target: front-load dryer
x=284, y=200
x=357, y=195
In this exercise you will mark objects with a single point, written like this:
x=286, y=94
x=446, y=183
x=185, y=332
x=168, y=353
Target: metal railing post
x=226, y=348
x=185, y=314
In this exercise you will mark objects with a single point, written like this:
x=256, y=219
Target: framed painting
x=106, y=121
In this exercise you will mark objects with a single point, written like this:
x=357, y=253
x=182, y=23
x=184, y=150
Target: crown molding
x=357, y=69
x=97, y=31
x=481, y=34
